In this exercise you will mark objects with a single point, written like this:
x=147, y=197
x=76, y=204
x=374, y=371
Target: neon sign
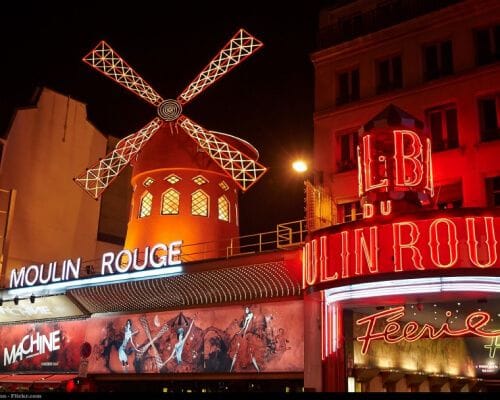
x=394, y=332
x=125, y=261
x=392, y=161
x=403, y=246
x=493, y=346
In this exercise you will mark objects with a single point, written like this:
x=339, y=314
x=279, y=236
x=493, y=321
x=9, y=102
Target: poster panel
x=41, y=347
x=266, y=337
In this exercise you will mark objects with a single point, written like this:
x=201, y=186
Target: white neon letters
x=158, y=256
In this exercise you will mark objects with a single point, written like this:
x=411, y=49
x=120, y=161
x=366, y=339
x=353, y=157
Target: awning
x=223, y=281
x=34, y=381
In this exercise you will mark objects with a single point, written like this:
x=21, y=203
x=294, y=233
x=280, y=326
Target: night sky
x=267, y=100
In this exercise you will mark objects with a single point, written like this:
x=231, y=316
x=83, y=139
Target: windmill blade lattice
x=244, y=170
x=107, y=61
x=239, y=47
x=97, y=177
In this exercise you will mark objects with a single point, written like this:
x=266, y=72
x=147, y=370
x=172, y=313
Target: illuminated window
x=348, y=86
x=148, y=182
x=223, y=205
x=489, y=112
x=487, y=43
x=438, y=60
x=493, y=191
x=146, y=205
x=389, y=74
x=236, y=216
x=223, y=185
x=347, y=153
x=173, y=179
x=170, y=202
x=443, y=124
x=349, y=212
x=199, y=180
x=199, y=203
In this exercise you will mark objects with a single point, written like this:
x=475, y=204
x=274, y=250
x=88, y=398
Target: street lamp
x=300, y=166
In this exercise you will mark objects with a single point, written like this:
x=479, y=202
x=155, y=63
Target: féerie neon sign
x=394, y=331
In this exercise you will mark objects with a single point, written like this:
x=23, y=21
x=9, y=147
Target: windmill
x=146, y=150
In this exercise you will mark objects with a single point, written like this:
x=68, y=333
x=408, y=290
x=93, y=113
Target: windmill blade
x=239, y=47
x=107, y=61
x=244, y=170
x=97, y=177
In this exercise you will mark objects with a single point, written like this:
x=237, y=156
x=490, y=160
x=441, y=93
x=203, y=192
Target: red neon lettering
x=369, y=167
x=386, y=207
x=345, y=254
x=305, y=263
x=399, y=245
x=360, y=172
x=368, y=210
x=490, y=242
x=429, y=185
x=310, y=264
x=392, y=332
x=323, y=261
x=313, y=273
x=450, y=238
x=366, y=252
x=413, y=159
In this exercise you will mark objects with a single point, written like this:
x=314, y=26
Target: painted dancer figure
x=179, y=346
x=245, y=351
x=123, y=350
x=246, y=321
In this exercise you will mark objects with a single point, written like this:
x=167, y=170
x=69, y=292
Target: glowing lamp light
x=299, y=166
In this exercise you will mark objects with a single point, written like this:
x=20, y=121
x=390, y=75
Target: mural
x=52, y=346
x=253, y=338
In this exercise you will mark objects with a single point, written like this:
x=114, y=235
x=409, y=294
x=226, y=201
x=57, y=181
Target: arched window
x=223, y=205
x=199, y=203
x=170, y=202
x=146, y=205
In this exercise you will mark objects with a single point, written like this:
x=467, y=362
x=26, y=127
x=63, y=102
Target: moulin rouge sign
x=158, y=256
x=391, y=165
x=418, y=245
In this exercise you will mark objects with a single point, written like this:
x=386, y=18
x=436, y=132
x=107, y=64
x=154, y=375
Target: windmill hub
x=169, y=110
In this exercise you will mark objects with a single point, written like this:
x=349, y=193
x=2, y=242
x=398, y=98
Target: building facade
x=412, y=70
x=395, y=288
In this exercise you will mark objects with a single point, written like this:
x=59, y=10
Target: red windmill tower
x=180, y=192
